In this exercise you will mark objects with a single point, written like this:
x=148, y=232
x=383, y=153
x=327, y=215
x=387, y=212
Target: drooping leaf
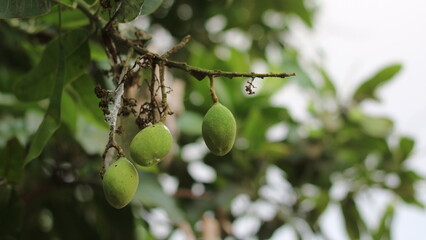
x=384, y=229
x=367, y=90
x=52, y=119
x=39, y=82
x=149, y=6
x=69, y=112
x=83, y=90
x=24, y=8
x=354, y=223
x=12, y=161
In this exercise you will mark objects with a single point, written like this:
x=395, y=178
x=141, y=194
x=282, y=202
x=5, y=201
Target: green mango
x=120, y=182
x=151, y=145
x=219, y=129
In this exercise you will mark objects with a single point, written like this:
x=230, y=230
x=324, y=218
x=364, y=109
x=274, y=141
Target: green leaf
x=291, y=65
x=69, y=18
x=299, y=8
x=328, y=85
x=11, y=216
x=406, y=190
x=24, y=8
x=69, y=112
x=12, y=161
x=384, y=229
x=52, y=119
x=367, y=90
x=39, y=82
x=353, y=221
x=149, y=6
x=5, y=194
x=83, y=89
x=150, y=193
x=254, y=129
x=405, y=147
x=128, y=11
x=377, y=127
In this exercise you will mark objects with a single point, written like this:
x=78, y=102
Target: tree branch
x=199, y=73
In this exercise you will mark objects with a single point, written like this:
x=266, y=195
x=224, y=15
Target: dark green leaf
x=39, y=82
x=353, y=221
x=405, y=147
x=149, y=6
x=367, y=90
x=52, y=119
x=24, y=8
x=5, y=193
x=69, y=112
x=12, y=161
x=406, y=189
x=11, y=216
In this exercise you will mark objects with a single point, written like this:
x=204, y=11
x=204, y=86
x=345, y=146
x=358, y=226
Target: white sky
x=356, y=39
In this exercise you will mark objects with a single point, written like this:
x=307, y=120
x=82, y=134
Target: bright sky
x=355, y=39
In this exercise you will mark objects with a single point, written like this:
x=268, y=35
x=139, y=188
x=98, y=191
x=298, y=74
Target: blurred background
x=333, y=153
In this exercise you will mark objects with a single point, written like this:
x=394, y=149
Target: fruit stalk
x=212, y=92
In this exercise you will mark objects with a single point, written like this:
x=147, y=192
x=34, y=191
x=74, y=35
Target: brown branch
x=212, y=92
x=179, y=46
x=198, y=73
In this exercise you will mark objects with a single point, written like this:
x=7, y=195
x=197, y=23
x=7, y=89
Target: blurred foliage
x=49, y=112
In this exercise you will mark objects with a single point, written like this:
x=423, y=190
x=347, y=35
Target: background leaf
x=39, y=82
x=52, y=119
x=149, y=6
x=12, y=161
x=367, y=90
x=24, y=8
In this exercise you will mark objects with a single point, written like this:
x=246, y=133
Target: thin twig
x=177, y=47
x=198, y=73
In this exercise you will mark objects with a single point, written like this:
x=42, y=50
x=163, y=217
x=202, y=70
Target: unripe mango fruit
x=151, y=145
x=219, y=129
x=120, y=182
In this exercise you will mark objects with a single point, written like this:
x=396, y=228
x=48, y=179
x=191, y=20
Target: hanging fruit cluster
x=154, y=142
